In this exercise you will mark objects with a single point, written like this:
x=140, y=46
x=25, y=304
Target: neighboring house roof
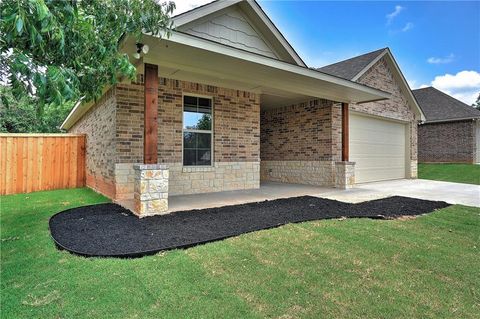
x=349, y=68
x=248, y=25
x=353, y=68
x=440, y=107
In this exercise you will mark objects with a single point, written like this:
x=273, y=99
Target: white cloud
x=464, y=86
x=434, y=60
x=393, y=14
x=407, y=27
x=185, y=5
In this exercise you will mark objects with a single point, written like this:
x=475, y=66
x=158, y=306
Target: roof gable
x=438, y=106
x=240, y=24
x=350, y=68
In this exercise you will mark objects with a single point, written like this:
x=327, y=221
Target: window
x=197, y=131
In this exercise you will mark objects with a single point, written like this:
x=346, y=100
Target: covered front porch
x=320, y=145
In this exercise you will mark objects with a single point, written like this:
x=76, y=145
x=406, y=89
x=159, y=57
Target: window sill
x=194, y=169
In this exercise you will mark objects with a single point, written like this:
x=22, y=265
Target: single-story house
x=225, y=102
x=451, y=132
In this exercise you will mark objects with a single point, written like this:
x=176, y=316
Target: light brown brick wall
x=99, y=126
x=447, y=142
x=299, y=143
x=380, y=76
x=236, y=135
x=300, y=132
x=236, y=122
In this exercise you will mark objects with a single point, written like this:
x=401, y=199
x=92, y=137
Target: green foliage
x=477, y=103
x=57, y=51
x=21, y=116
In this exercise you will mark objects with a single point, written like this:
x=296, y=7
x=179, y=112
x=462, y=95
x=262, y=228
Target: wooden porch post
x=150, y=133
x=345, y=128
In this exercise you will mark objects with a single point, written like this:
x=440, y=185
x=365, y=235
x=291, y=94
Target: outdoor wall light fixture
x=141, y=48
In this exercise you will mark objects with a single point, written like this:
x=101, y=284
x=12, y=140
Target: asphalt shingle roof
x=438, y=106
x=347, y=69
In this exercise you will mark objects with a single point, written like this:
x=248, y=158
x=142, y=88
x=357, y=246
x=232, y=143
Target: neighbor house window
x=197, y=131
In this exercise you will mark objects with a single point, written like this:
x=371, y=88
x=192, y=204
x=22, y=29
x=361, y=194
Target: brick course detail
x=447, y=142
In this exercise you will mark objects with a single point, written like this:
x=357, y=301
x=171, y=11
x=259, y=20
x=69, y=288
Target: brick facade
x=114, y=128
x=299, y=143
x=447, y=142
x=99, y=126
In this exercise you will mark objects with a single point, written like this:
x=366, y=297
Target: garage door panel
x=378, y=148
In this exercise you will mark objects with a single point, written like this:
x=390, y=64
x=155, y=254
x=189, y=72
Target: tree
x=477, y=103
x=58, y=51
x=20, y=116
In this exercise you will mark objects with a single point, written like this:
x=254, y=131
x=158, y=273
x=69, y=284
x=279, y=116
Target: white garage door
x=378, y=148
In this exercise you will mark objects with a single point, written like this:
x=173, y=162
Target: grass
x=457, y=173
x=428, y=267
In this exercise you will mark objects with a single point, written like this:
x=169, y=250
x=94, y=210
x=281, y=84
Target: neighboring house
x=225, y=102
x=451, y=132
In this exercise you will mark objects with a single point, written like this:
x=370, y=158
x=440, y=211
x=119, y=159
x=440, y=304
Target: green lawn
x=458, y=173
x=428, y=267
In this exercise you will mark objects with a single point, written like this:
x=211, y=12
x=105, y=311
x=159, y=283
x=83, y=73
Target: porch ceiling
x=186, y=57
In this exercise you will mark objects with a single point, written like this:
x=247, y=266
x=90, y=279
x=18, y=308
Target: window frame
x=211, y=131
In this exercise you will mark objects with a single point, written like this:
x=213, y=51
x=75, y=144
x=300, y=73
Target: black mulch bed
x=109, y=230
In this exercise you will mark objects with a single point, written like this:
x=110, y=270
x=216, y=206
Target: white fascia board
x=202, y=11
x=274, y=30
x=365, y=69
x=67, y=123
x=186, y=39
x=452, y=120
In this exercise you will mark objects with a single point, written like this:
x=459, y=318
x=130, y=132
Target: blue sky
x=435, y=42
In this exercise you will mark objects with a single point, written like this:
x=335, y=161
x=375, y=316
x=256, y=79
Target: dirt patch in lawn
x=109, y=230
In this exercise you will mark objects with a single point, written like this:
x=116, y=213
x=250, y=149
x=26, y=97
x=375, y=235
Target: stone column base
x=344, y=175
x=150, y=189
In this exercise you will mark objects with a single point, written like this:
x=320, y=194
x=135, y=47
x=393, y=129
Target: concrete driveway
x=453, y=193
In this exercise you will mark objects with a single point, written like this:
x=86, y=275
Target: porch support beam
x=150, y=132
x=345, y=129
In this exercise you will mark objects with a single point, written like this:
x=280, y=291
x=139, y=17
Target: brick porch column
x=150, y=189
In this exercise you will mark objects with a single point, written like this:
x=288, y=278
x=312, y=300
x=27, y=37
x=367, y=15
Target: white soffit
x=183, y=53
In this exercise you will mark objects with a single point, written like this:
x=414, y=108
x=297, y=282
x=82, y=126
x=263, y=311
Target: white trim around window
x=211, y=131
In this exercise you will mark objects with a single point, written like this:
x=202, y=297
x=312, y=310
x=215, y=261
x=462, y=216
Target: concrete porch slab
x=267, y=191
x=453, y=193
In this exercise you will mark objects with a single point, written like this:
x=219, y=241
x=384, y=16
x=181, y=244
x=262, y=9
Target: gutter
x=452, y=120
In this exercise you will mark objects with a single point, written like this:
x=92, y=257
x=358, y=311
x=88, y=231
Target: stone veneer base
x=150, y=189
x=222, y=176
x=344, y=175
x=320, y=173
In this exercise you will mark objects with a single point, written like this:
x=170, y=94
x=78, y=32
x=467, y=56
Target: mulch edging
x=109, y=230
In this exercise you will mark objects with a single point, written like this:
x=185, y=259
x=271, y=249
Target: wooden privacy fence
x=36, y=162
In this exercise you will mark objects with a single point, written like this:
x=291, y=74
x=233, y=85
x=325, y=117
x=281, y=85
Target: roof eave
x=452, y=120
